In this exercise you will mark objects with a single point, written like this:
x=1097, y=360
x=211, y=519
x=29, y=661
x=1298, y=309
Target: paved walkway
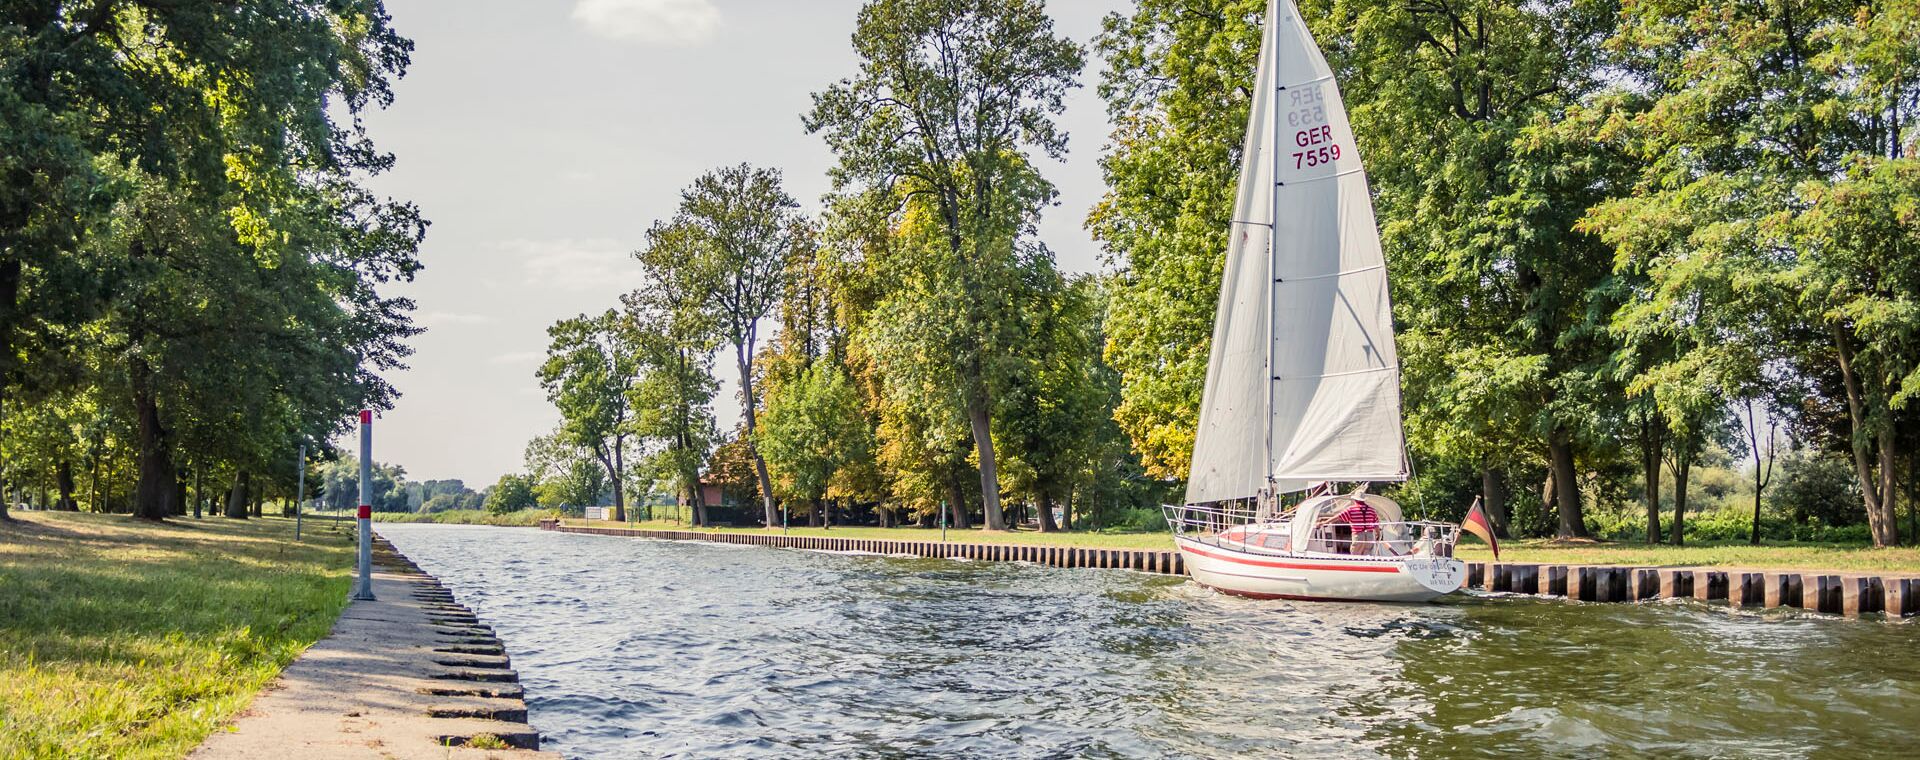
x=404, y=676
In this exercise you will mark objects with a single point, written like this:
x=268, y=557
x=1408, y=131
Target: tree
x=674, y=398
x=511, y=493
x=732, y=468
x=592, y=365
x=748, y=230
x=1178, y=86
x=813, y=430
x=238, y=124
x=1479, y=216
x=579, y=483
x=1772, y=141
x=949, y=95
x=1763, y=451
x=1054, y=407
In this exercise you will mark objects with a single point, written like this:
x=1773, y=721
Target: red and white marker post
x=364, y=589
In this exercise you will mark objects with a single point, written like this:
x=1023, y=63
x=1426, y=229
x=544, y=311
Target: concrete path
x=410, y=675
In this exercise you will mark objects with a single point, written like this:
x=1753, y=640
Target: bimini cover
x=1322, y=511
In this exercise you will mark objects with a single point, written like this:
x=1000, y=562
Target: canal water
x=640, y=648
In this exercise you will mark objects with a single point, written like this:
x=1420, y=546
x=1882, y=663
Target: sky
x=543, y=138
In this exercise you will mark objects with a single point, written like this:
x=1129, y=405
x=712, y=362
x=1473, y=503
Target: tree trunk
x=1759, y=477
x=180, y=492
x=1493, y=493
x=1046, y=511
x=977, y=409
x=1066, y=510
x=10, y=276
x=1573, y=522
x=744, y=361
x=63, y=479
x=1650, y=446
x=1885, y=532
x=1682, y=468
x=957, y=505
x=153, y=494
x=199, y=493
x=237, y=498
x=1913, y=498
x=259, y=496
x=619, y=485
x=1889, y=506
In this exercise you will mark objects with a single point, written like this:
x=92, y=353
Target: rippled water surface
x=638, y=648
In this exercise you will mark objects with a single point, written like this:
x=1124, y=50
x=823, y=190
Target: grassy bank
x=122, y=638
x=1784, y=556
x=1725, y=554
x=1155, y=540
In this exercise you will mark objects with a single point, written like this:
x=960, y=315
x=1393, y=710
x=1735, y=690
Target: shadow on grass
x=142, y=636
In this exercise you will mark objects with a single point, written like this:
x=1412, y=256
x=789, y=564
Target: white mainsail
x=1303, y=383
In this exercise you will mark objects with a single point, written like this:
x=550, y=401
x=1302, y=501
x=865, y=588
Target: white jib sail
x=1327, y=406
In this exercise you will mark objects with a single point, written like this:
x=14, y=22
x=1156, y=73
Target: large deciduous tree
x=949, y=97
x=592, y=366
x=230, y=105
x=678, y=334
x=1178, y=86
x=748, y=231
x=1772, y=214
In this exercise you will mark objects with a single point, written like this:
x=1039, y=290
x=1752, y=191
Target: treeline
x=1628, y=240
x=190, y=265
x=1623, y=236
x=924, y=350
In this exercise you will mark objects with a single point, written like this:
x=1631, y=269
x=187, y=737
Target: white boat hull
x=1321, y=577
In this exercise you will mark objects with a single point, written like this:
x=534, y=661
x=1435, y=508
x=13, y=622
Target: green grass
x=1725, y=554
x=522, y=518
x=122, y=638
x=1152, y=540
x=1838, y=557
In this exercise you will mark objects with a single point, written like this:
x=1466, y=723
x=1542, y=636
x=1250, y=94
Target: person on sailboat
x=1362, y=525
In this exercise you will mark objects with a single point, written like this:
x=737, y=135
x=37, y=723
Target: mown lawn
x=1715, y=554
x=1799, y=556
x=122, y=638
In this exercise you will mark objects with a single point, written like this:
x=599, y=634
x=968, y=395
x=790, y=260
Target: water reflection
x=641, y=648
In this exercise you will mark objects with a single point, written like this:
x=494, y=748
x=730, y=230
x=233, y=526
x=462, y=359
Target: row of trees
x=1624, y=237
x=190, y=266
x=1621, y=233
x=927, y=350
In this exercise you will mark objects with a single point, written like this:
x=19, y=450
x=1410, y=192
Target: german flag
x=1476, y=522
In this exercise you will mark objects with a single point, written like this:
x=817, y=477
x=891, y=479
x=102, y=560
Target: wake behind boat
x=1303, y=382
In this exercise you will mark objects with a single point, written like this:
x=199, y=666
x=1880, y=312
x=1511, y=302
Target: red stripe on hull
x=1292, y=565
x=1291, y=597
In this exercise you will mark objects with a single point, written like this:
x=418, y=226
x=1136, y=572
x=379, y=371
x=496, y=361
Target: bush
x=1135, y=520
x=1815, y=487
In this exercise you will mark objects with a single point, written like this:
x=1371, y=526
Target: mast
x=1273, y=245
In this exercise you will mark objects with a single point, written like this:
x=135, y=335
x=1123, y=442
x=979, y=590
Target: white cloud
x=444, y=318
x=658, y=22
x=573, y=264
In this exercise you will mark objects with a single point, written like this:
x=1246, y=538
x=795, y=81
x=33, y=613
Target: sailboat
x=1303, y=383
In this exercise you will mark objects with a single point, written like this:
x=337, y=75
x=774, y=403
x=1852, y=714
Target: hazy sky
x=543, y=139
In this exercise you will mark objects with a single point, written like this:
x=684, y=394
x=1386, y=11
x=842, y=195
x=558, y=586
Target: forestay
x=1303, y=383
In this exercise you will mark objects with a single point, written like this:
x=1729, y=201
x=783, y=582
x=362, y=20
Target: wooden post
x=1860, y=595
x=1747, y=589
